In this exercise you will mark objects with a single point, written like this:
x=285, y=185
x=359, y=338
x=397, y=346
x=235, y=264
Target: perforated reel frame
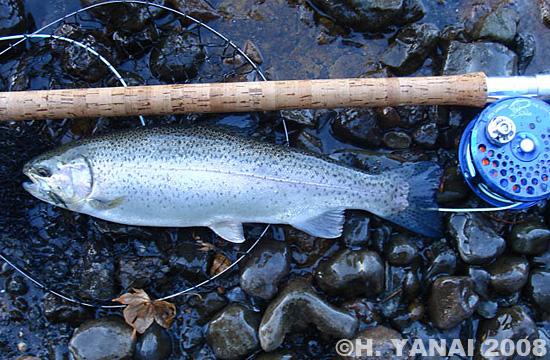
x=504, y=174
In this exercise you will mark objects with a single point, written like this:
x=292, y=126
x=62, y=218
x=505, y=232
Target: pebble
x=400, y=250
x=426, y=135
x=264, y=269
x=373, y=16
x=154, y=344
x=396, y=140
x=452, y=299
x=16, y=285
x=138, y=272
x=357, y=126
x=96, y=279
x=529, y=238
x=177, y=57
x=351, y=273
x=382, y=346
x=538, y=287
x=499, y=25
x=525, y=46
x=298, y=303
x=476, y=240
x=444, y=262
x=277, y=355
x=454, y=187
x=233, y=332
x=410, y=47
x=356, y=230
x=509, y=274
x=493, y=59
x=509, y=323
x=12, y=17
x=103, y=339
x=58, y=310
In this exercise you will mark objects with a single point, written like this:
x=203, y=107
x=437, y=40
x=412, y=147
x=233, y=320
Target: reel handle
x=467, y=89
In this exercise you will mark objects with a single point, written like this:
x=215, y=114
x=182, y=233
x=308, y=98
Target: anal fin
x=328, y=225
x=229, y=230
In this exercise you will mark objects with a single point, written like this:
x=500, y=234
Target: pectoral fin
x=327, y=225
x=228, y=230
x=105, y=205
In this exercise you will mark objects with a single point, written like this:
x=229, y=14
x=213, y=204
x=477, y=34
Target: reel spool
x=504, y=153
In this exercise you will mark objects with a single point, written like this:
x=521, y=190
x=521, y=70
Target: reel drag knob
x=504, y=152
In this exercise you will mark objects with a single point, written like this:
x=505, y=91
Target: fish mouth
x=37, y=187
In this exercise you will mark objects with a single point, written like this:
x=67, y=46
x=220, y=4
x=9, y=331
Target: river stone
x=396, y=140
x=509, y=274
x=298, y=303
x=58, y=310
x=538, y=288
x=264, y=268
x=525, y=47
x=356, y=231
x=103, y=339
x=12, y=17
x=476, y=240
x=443, y=263
x=382, y=345
x=351, y=273
x=373, y=15
x=400, y=250
x=452, y=299
x=233, y=332
x=410, y=47
x=491, y=58
x=499, y=25
x=154, y=344
x=529, y=238
x=509, y=323
x=357, y=126
x=177, y=57
x=281, y=354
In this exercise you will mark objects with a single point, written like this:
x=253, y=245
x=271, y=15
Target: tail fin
x=423, y=179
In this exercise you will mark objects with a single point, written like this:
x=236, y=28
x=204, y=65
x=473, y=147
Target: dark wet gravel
x=294, y=296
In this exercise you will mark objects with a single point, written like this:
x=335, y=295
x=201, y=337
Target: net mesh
x=117, y=43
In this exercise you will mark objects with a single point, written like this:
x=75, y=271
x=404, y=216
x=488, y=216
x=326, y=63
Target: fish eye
x=43, y=171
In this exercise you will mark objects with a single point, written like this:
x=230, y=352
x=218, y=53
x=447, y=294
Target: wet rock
x=476, y=240
x=127, y=17
x=233, y=333
x=509, y=274
x=482, y=280
x=277, y=355
x=452, y=299
x=426, y=135
x=509, y=323
x=400, y=250
x=304, y=117
x=411, y=285
x=141, y=271
x=387, y=117
x=357, y=126
x=396, y=140
x=538, y=287
x=154, y=344
x=298, y=303
x=529, y=238
x=177, y=57
x=373, y=16
x=80, y=62
x=525, y=47
x=454, y=186
x=96, y=279
x=16, y=285
x=264, y=269
x=58, y=310
x=487, y=309
x=356, y=231
x=363, y=310
x=102, y=339
x=188, y=261
x=307, y=141
x=491, y=58
x=383, y=347
x=499, y=25
x=405, y=317
x=444, y=262
x=199, y=9
x=425, y=333
x=410, y=47
x=544, y=7
x=208, y=304
x=351, y=273
x=12, y=17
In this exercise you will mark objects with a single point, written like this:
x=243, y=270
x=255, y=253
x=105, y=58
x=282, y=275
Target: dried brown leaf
x=220, y=263
x=205, y=246
x=141, y=311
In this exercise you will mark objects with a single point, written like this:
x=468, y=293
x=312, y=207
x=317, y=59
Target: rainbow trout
x=179, y=177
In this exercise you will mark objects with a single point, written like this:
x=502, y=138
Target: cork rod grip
x=468, y=89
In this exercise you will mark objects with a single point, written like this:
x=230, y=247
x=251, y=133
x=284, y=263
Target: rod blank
x=468, y=89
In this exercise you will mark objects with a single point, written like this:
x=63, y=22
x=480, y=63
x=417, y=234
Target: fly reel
x=504, y=153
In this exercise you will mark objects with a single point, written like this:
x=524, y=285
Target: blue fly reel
x=504, y=153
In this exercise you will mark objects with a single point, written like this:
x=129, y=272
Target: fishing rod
x=473, y=89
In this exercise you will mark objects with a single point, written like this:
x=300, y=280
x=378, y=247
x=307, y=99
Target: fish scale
x=179, y=177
